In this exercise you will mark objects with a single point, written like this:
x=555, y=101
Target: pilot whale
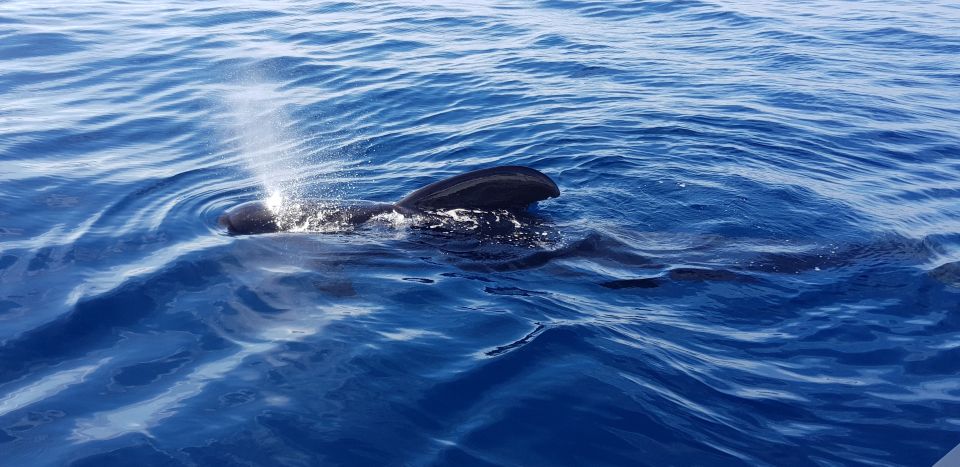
x=504, y=188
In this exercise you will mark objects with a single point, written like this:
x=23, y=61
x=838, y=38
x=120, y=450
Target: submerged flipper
x=505, y=187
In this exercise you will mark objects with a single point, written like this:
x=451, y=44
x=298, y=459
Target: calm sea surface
x=755, y=259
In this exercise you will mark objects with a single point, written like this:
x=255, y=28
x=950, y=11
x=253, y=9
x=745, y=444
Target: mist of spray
x=264, y=140
x=288, y=162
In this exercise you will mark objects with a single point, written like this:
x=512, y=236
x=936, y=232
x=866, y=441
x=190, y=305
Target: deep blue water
x=755, y=259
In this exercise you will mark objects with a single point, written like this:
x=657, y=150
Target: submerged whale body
x=505, y=188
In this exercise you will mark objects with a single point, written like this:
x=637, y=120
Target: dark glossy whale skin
x=255, y=217
x=506, y=187
x=249, y=218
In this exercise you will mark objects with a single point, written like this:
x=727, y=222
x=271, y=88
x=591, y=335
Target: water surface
x=755, y=259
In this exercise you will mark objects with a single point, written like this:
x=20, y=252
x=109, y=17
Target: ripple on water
x=754, y=260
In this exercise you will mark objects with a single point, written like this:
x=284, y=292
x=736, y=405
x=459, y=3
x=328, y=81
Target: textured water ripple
x=754, y=260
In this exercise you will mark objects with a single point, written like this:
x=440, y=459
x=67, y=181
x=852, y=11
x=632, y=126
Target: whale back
x=505, y=187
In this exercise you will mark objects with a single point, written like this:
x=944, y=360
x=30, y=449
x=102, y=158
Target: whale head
x=249, y=218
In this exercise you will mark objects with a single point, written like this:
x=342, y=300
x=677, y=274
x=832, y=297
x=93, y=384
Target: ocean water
x=755, y=259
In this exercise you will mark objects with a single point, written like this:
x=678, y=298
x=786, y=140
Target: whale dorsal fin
x=504, y=187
